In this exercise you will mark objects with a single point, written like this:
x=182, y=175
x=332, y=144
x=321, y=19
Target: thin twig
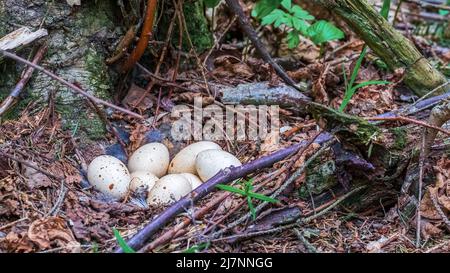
x=420, y=185
x=409, y=120
x=70, y=85
x=26, y=76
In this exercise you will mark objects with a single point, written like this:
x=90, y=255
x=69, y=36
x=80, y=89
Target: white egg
x=184, y=161
x=193, y=180
x=142, y=180
x=208, y=163
x=152, y=157
x=109, y=175
x=169, y=189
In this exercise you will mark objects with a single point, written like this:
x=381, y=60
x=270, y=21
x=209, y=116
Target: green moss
x=197, y=25
x=83, y=124
x=351, y=128
x=400, y=137
x=99, y=80
x=318, y=178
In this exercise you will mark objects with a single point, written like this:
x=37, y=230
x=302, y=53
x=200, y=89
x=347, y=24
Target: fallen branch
x=26, y=76
x=225, y=176
x=70, y=85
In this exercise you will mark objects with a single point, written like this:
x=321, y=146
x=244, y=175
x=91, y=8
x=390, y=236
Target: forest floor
x=54, y=209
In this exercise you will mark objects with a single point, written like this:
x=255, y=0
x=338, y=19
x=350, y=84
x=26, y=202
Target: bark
x=389, y=44
x=78, y=45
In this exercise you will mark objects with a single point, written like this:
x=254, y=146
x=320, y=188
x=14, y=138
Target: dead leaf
x=138, y=98
x=52, y=232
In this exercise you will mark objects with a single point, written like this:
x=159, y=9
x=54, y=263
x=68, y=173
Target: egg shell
x=152, y=157
x=109, y=175
x=193, y=180
x=208, y=163
x=184, y=161
x=142, y=179
x=169, y=189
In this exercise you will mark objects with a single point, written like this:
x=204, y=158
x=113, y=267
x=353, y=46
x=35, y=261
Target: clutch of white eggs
x=150, y=169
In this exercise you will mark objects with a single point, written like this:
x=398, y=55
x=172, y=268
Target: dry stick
x=420, y=185
x=26, y=76
x=409, y=120
x=236, y=8
x=144, y=38
x=225, y=176
x=70, y=85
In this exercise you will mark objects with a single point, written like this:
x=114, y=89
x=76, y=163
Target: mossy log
x=389, y=44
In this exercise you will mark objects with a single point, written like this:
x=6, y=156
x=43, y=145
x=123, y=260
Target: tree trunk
x=389, y=44
x=79, y=39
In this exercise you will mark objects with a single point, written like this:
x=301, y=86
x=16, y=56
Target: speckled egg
x=109, y=175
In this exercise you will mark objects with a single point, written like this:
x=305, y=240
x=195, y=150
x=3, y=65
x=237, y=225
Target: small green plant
x=248, y=193
x=125, y=247
x=444, y=12
x=197, y=248
x=296, y=22
x=350, y=87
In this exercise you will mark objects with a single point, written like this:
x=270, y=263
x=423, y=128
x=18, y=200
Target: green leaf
x=211, y=3
x=251, y=207
x=287, y=4
x=230, y=189
x=385, y=9
x=367, y=83
x=443, y=12
x=125, y=247
x=272, y=17
x=357, y=67
x=323, y=31
x=293, y=39
x=301, y=13
x=264, y=8
x=262, y=197
x=349, y=94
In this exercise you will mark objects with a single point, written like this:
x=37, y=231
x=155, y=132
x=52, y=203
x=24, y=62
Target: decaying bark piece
x=389, y=44
x=262, y=93
x=20, y=37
